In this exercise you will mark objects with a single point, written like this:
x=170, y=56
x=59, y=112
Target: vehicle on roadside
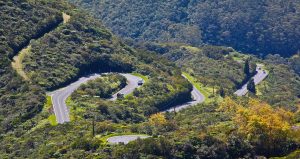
x=140, y=82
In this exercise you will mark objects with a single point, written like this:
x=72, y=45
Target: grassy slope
x=48, y=107
x=206, y=91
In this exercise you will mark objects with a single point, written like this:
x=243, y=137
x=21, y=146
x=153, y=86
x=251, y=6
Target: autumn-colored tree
x=228, y=105
x=157, y=120
x=267, y=128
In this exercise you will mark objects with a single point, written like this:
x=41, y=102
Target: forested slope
x=259, y=27
x=21, y=21
x=61, y=53
x=222, y=69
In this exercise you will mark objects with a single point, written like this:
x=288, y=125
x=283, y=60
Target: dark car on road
x=120, y=96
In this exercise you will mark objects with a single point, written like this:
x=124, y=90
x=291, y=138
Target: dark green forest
x=258, y=27
x=159, y=41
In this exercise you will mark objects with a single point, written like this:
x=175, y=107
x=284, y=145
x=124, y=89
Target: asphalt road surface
x=259, y=77
x=198, y=97
x=125, y=138
x=60, y=96
x=132, y=83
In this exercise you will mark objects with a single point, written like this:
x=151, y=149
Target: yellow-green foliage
x=48, y=103
x=52, y=120
x=191, y=48
x=47, y=107
x=74, y=109
x=238, y=56
x=145, y=78
x=256, y=119
x=157, y=120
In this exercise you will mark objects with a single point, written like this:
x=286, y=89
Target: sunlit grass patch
x=191, y=48
x=238, y=56
x=208, y=92
x=48, y=107
x=48, y=104
x=52, y=120
x=145, y=78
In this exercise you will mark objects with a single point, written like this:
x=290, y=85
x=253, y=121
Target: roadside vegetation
x=145, y=78
x=223, y=69
x=225, y=126
x=210, y=94
x=49, y=109
x=79, y=47
x=212, y=66
x=102, y=87
x=282, y=87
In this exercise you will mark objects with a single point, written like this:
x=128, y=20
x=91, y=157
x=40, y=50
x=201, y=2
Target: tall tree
x=247, y=68
x=251, y=86
x=222, y=92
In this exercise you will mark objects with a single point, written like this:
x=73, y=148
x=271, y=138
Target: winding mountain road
x=198, y=98
x=132, y=83
x=60, y=96
x=258, y=78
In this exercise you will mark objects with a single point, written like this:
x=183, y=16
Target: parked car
x=140, y=82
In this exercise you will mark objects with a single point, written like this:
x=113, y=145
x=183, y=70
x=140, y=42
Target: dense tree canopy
x=21, y=21
x=222, y=127
x=256, y=26
x=268, y=129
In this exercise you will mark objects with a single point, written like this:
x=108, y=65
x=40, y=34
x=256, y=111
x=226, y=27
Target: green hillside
x=259, y=27
x=217, y=68
x=21, y=22
x=48, y=44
